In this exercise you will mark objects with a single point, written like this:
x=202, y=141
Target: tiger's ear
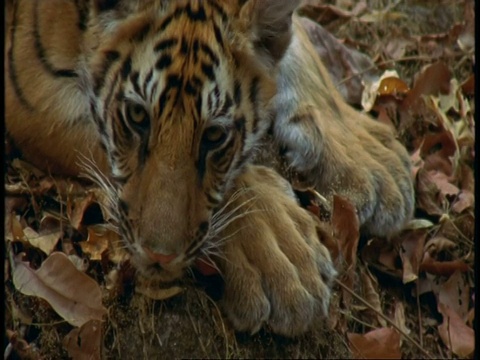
x=269, y=23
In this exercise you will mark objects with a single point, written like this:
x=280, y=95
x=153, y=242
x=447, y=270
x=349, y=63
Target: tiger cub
x=166, y=104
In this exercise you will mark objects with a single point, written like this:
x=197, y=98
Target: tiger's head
x=181, y=93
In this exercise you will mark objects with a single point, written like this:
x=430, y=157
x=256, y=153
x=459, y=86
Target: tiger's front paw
x=276, y=269
x=353, y=156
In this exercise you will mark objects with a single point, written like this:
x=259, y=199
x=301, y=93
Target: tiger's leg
x=337, y=149
x=276, y=269
x=360, y=160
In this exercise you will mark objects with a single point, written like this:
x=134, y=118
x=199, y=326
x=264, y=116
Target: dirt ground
x=190, y=324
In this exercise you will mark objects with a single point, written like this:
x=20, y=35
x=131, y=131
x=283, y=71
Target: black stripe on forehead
x=194, y=12
x=219, y=10
x=173, y=81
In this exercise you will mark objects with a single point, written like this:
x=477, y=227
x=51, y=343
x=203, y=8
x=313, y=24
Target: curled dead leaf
x=85, y=342
x=443, y=268
x=418, y=224
x=77, y=210
x=411, y=252
x=437, y=244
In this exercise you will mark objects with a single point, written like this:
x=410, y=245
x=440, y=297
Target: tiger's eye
x=214, y=136
x=137, y=114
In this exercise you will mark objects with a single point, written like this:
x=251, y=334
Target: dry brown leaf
x=76, y=297
x=399, y=319
x=465, y=200
x=427, y=194
x=370, y=294
x=438, y=244
x=411, y=252
x=97, y=241
x=346, y=228
x=417, y=162
x=468, y=86
x=76, y=211
x=458, y=228
x=437, y=163
x=432, y=80
x=455, y=293
x=117, y=252
x=470, y=318
x=383, y=256
x=443, y=183
x=324, y=14
x=382, y=343
x=85, y=343
x=45, y=242
x=466, y=178
x=397, y=47
x=444, y=141
x=457, y=336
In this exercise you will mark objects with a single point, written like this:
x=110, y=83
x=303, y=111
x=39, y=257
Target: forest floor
x=409, y=297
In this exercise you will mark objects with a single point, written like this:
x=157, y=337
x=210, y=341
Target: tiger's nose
x=160, y=258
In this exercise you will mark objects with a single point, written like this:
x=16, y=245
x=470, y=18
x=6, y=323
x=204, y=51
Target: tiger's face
x=181, y=93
